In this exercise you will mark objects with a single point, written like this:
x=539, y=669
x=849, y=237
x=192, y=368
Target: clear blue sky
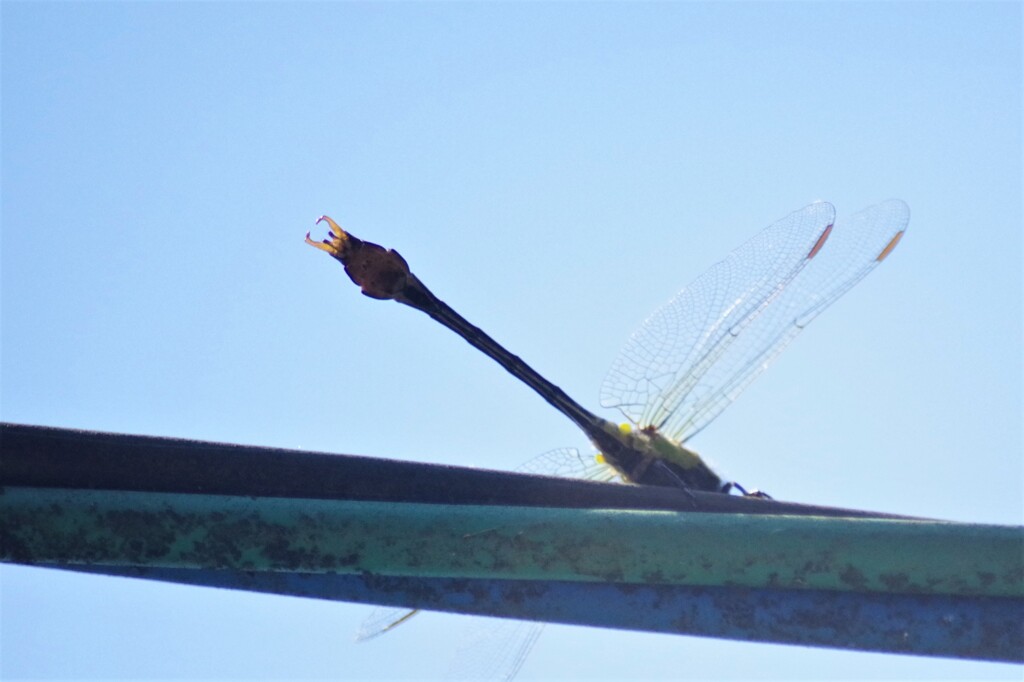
x=555, y=172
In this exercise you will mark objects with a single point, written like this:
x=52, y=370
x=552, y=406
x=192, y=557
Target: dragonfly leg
x=664, y=468
x=759, y=494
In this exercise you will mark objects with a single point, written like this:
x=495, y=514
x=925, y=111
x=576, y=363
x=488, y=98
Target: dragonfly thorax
x=645, y=456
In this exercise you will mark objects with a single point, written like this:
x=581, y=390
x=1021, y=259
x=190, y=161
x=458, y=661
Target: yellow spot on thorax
x=651, y=444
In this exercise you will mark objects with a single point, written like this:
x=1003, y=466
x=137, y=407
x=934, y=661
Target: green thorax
x=633, y=452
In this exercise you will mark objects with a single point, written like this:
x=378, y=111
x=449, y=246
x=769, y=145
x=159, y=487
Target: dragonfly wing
x=854, y=248
x=861, y=243
x=383, y=619
x=569, y=463
x=495, y=649
x=491, y=649
x=660, y=370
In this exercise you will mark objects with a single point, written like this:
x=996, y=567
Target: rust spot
x=897, y=582
x=854, y=577
x=655, y=577
x=986, y=579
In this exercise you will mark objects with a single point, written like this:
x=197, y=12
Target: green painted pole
x=126, y=528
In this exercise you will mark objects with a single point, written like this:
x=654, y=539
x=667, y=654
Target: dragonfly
x=683, y=366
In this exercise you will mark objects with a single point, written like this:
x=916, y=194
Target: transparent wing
x=491, y=649
x=569, y=463
x=664, y=361
x=383, y=619
x=697, y=353
x=495, y=649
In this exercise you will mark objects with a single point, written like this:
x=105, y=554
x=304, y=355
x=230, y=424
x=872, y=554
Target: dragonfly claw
x=379, y=272
x=338, y=242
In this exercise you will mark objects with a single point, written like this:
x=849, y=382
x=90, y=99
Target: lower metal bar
x=979, y=628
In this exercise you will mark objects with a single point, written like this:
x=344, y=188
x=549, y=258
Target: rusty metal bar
x=314, y=525
x=172, y=530
x=978, y=628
